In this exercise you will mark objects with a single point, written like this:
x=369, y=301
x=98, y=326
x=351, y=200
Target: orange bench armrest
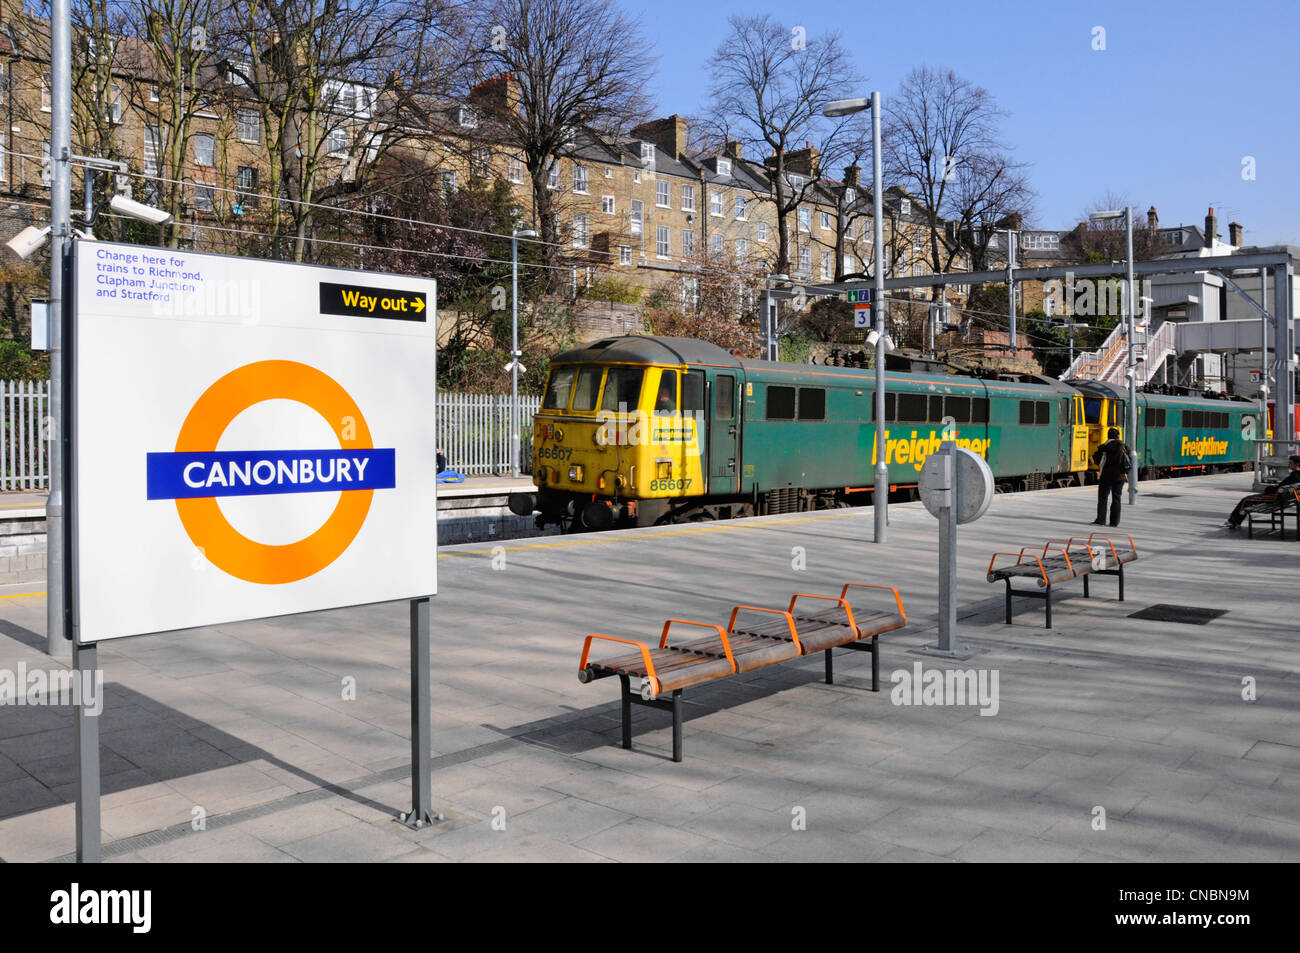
x=843, y=603
x=866, y=585
x=645, y=655
x=789, y=621
x=722, y=634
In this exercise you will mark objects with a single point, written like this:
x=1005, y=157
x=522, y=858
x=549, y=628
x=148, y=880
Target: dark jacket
x=1292, y=479
x=1113, y=458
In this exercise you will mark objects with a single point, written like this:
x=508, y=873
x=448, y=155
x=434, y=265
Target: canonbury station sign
x=250, y=439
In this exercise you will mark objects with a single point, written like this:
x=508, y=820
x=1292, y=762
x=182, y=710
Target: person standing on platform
x=1113, y=459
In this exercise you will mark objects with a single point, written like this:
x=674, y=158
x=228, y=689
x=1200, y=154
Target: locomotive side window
x=1042, y=412
x=622, y=389
x=958, y=408
x=1194, y=419
x=1092, y=409
x=557, y=392
x=666, y=402
x=1221, y=421
x=693, y=392
x=936, y=409
x=724, y=397
x=979, y=410
x=911, y=407
x=1026, y=411
x=891, y=406
x=780, y=403
x=812, y=403
x=587, y=390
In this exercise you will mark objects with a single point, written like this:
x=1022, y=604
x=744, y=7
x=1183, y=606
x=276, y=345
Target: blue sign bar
x=183, y=476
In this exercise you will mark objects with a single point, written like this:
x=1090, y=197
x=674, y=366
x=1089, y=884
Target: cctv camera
x=29, y=241
x=145, y=213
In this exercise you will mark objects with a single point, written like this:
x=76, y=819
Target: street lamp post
x=1129, y=302
x=515, y=235
x=845, y=107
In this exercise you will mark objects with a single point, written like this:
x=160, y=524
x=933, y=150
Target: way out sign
x=241, y=451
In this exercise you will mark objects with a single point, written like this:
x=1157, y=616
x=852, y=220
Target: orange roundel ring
x=209, y=530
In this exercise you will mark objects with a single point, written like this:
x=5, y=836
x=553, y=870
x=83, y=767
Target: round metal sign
x=972, y=482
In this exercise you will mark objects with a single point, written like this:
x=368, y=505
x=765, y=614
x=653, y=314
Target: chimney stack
x=1234, y=233
x=1153, y=220
x=668, y=134
x=732, y=150
x=853, y=176
x=1211, y=227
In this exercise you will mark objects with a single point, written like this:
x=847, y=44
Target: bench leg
x=677, y=725
x=830, y=669
x=1121, y=582
x=1047, y=597
x=1086, y=593
x=627, y=711
x=1008, y=582
x=875, y=663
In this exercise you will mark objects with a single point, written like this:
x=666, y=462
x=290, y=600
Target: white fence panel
x=24, y=452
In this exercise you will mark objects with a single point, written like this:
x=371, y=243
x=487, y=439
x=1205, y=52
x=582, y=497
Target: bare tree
x=1106, y=240
x=569, y=64
x=336, y=84
x=945, y=147
x=770, y=85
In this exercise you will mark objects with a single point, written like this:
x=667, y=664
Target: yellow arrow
x=417, y=305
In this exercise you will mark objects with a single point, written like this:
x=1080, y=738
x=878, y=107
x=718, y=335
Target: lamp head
x=846, y=107
x=29, y=241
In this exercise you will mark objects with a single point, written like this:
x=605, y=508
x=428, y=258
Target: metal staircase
x=1110, y=361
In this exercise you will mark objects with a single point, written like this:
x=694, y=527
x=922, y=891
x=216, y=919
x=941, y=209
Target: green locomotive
x=640, y=430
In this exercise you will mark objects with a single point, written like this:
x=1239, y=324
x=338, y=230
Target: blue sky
x=1165, y=115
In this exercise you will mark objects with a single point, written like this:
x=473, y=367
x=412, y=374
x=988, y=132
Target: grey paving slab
x=1146, y=719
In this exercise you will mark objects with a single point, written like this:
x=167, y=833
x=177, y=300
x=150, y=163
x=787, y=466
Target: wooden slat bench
x=1276, y=511
x=754, y=638
x=1056, y=562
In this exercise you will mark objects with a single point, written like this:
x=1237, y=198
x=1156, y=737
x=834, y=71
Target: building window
x=205, y=149
x=624, y=254
x=607, y=204
x=826, y=220
x=647, y=152
x=688, y=198
x=661, y=241
x=449, y=183
x=849, y=266
x=581, y=231
x=688, y=243
x=553, y=177
x=715, y=244
x=715, y=202
x=636, y=216
x=609, y=173
x=336, y=143
x=465, y=117
x=152, y=149
x=45, y=92
x=805, y=260
x=850, y=195
x=249, y=125
x=636, y=175
x=762, y=231
x=740, y=207
x=514, y=169
x=805, y=220
x=246, y=184
x=661, y=193
x=115, y=105
x=796, y=182
x=480, y=162
x=826, y=266
x=690, y=293
x=742, y=248
x=205, y=198
x=155, y=94
x=724, y=166
x=904, y=206
x=848, y=229
x=580, y=179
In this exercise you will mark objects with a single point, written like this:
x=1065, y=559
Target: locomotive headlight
x=575, y=474
x=559, y=434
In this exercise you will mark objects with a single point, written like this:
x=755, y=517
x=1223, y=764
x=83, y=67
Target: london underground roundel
x=196, y=474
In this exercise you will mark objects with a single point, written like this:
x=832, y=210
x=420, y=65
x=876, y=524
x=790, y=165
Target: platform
x=1140, y=722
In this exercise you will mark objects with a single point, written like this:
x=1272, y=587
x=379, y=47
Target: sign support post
x=85, y=662
x=421, y=812
x=956, y=486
